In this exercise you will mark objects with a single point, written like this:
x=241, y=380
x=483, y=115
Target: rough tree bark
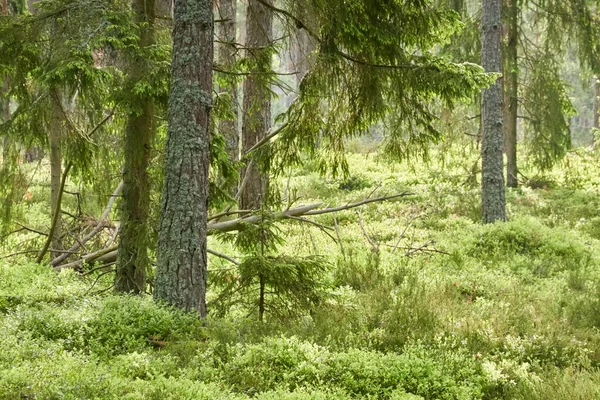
x=511, y=94
x=54, y=137
x=257, y=102
x=130, y=276
x=181, y=269
x=226, y=57
x=492, y=180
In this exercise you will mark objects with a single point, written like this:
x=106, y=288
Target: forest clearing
x=320, y=199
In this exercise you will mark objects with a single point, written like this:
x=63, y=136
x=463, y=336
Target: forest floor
x=420, y=301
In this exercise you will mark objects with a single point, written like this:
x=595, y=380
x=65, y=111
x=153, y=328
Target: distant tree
x=181, y=265
x=511, y=91
x=596, y=111
x=492, y=165
x=256, y=119
x=226, y=58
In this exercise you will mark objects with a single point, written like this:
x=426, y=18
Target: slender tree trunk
x=596, y=113
x=132, y=262
x=5, y=102
x=181, y=269
x=492, y=179
x=257, y=103
x=54, y=138
x=226, y=58
x=261, y=298
x=511, y=99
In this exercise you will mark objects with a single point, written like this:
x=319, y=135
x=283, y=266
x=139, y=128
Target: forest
x=300, y=199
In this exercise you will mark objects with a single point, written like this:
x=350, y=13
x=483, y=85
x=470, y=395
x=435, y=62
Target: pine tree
x=181, y=265
x=492, y=178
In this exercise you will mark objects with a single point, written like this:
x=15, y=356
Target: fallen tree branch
x=100, y=255
x=301, y=211
x=95, y=231
x=55, y=215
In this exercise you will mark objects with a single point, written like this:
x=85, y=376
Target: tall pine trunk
x=132, y=262
x=596, y=113
x=492, y=175
x=511, y=96
x=226, y=57
x=181, y=269
x=54, y=138
x=257, y=102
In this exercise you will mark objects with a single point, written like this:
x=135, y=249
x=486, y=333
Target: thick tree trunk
x=257, y=103
x=132, y=263
x=54, y=137
x=181, y=269
x=226, y=58
x=511, y=95
x=492, y=179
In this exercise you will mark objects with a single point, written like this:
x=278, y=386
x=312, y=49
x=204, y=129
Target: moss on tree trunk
x=132, y=261
x=181, y=269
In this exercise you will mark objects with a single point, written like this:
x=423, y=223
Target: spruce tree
x=132, y=260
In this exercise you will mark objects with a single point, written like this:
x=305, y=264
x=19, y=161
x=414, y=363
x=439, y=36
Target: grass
x=421, y=302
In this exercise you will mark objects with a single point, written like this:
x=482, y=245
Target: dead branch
x=301, y=211
x=95, y=231
x=55, y=214
x=99, y=256
x=223, y=256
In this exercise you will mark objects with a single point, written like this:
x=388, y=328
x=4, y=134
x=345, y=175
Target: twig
x=23, y=227
x=97, y=268
x=364, y=231
x=223, y=256
x=403, y=232
x=337, y=233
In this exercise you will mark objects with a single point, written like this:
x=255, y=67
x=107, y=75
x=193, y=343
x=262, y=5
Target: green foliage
x=293, y=285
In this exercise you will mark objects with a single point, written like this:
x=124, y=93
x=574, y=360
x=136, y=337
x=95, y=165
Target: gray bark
x=492, y=180
x=257, y=104
x=511, y=93
x=130, y=276
x=226, y=58
x=181, y=268
x=54, y=137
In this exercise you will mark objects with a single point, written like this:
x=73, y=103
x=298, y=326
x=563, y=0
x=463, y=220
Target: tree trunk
x=54, y=137
x=492, y=174
x=181, y=269
x=5, y=102
x=257, y=103
x=596, y=112
x=132, y=263
x=511, y=105
x=226, y=58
